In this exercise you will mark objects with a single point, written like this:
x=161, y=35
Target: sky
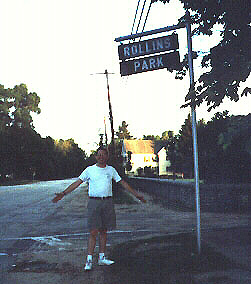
x=56, y=47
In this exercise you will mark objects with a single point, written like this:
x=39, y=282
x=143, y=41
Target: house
x=164, y=163
x=145, y=154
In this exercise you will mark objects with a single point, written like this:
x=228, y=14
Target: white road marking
x=73, y=235
x=54, y=241
x=51, y=241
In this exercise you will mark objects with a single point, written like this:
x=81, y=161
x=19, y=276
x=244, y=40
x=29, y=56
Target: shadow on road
x=164, y=259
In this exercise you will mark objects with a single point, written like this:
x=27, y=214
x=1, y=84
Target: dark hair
x=102, y=148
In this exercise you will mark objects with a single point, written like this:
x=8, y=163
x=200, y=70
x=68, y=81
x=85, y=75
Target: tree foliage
x=123, y=132
x=224, y=149
x=166, y=135
x=228, y=63
x=24, y=154
x=151, y=137
x=16, y=106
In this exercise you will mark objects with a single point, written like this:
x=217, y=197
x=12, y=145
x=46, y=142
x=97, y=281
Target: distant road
x=26, y=210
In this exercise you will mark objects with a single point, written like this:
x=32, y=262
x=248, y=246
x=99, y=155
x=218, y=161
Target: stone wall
x=179, y=194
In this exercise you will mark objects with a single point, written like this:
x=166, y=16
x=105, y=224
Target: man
x=101, y=214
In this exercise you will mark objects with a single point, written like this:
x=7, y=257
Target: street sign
x=158, y=61
x=146, y=47
x=169, y=60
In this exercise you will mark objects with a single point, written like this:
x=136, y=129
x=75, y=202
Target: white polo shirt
x=100, y=180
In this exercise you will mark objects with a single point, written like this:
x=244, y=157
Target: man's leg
x=91, y=247
x=92, y=241
x=102, y=247
x=102, y=240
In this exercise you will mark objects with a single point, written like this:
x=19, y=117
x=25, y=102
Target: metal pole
x=161, y=30
x=194, y=131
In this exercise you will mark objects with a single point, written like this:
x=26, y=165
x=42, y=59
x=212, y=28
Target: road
x=25, y=208
x=30, y=223
x=27, y=211
x=28, y=218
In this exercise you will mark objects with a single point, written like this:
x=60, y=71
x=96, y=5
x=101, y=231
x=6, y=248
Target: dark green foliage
x=228, y=62
x=16, y=106
x=123, y=132
x=149, y=137
x=224, y=149
x=24, y=155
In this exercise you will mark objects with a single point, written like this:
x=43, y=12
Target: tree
x=71, y=157
x=212, y=164
x=167, y=134
x=24, y=154
x=236, y=146
x=164, y=137
x=123, y=132
x=224, y=149
x=184, y=149
x=16, y=106
x=151, y=137
x=5, y=104
x=19, y=142
x=228, y=63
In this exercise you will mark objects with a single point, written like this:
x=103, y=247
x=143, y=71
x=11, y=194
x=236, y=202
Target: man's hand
x=134, y=192
x=68, y=190
x=141, y=198
x=58, y=197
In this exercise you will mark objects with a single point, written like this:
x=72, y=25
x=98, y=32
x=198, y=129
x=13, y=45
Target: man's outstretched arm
x=69, y=189
x=132, y=190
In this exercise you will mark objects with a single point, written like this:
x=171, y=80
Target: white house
x=164, y=163
x=145, y=153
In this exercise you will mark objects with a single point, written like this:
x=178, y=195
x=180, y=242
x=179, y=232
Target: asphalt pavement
x=45, y=243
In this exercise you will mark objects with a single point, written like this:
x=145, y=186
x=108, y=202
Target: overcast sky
x=53, y=46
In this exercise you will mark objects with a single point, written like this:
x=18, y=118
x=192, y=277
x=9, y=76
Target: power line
x=142, y=11
x=146, y=16
x=141, y=16
x=135, y=17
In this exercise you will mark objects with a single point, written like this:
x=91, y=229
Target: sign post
x=194, y=129
x=163, y=60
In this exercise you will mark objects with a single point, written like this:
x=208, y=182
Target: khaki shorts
x=101, y=214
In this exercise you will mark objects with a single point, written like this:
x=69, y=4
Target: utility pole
x=106, y=139
x=112, y=149
x=110, y=115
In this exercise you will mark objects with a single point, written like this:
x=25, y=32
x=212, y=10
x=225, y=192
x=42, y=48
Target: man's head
x=102, y=156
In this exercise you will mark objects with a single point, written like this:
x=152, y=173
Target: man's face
x=102, y=157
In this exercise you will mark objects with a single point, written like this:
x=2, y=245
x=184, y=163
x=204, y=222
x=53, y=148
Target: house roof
x=139, y=146
x=158, y=145
x=144, y=146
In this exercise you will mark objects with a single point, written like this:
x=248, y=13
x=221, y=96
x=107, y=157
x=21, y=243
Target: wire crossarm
x=156, y=31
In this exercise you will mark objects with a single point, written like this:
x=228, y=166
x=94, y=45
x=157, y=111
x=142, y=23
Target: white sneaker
x=105, y=261
x=88, y=266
